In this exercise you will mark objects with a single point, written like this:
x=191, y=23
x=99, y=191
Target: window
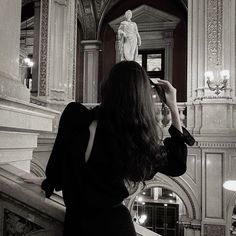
x=153, y=61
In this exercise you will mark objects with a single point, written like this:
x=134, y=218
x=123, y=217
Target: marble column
x=90, y=79
x=211, y=117
x=57, y=52
x=21, y=122
x=10, y=81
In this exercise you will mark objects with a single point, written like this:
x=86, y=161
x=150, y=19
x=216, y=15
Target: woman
x=129, y=38
x=97, y=150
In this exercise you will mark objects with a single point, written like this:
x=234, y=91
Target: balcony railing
x=26, y=211
x=163, y=115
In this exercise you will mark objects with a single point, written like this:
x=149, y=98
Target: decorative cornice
x=61, y=2
x=154, y=20
x=191, y=224
x=216, y=144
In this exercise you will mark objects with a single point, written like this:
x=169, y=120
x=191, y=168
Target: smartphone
x=159, y=89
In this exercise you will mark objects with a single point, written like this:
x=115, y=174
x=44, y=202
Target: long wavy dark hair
x=128, y=110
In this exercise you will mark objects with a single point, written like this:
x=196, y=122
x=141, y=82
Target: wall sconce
x=219, y=82
x=27, y=62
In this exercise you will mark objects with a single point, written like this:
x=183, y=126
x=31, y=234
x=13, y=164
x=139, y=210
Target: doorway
x=159, y=210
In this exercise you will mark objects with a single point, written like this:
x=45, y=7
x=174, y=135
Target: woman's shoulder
x=76, y=107
x=76, y=113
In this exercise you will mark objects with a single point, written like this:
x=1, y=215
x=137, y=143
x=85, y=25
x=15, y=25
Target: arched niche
x=156, y=30
x=178, y=186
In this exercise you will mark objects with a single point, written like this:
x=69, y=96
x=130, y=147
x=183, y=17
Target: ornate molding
x=214, y=230
x=100, y=6
x=150, y=19
x=191, y=224
x=216, y=144
x=14, y=224
x=36, y=101
x=74, y=51
x=79, y=11
x=89, y=19
x=61, y=2
x=36, y=168
x=214, y=32
x=43, y=47
x=57, y=95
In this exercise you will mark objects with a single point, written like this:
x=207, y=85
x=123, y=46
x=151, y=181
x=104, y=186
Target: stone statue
x=129, y=38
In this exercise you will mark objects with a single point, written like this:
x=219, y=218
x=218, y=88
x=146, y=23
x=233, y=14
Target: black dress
x=93, y=191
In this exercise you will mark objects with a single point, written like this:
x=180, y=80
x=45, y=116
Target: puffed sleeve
x=73, y=116
x=175, y=152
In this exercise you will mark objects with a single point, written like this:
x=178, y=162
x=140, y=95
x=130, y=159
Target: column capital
x=191, y=224
x=91, y=43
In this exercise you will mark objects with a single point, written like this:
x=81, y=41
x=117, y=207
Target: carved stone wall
x=43, y=47
x=14, y=224
x=24, y=209
x=57, y=64
x=214, y=230
x=214, y=32
x=89, y=19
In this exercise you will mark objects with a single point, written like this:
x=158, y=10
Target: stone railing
x=26, y=211
x=163, y=113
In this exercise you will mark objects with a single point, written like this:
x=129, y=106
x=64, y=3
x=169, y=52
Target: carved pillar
x=35, y=68
x=91, y=62
x=10, y=80
x=211, y=32
x=211, y=42
x=57, y=51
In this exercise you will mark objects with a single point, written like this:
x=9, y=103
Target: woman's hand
x=170, y=93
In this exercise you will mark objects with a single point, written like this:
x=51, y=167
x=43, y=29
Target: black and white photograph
x=117, y=117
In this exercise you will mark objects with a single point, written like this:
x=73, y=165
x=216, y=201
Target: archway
x=181, y=191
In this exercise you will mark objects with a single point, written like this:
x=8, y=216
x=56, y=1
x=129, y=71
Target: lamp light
x=217, y=81
x=142, y=219
x=230, y=185
x=27, y=62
